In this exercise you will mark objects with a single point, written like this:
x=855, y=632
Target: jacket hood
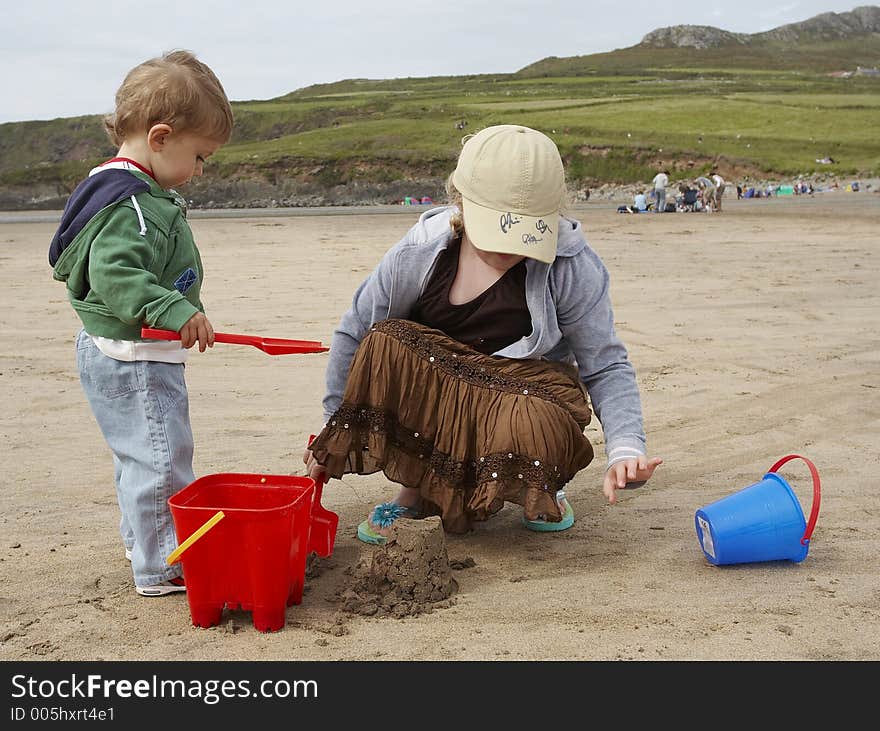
x=104, y=188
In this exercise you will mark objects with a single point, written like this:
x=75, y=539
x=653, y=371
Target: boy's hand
x=197, y=328
x=626, y=471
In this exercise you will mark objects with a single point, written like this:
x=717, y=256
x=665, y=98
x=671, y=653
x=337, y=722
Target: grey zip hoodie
x=571, y=314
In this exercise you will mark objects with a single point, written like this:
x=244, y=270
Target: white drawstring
x=143, y=231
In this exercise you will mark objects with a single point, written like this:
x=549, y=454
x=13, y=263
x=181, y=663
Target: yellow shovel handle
x=205, y=527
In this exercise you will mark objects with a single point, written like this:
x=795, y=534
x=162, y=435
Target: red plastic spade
x=324, y=522
x=272, y=346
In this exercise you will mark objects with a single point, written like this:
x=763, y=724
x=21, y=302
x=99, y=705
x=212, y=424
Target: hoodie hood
x=105, y=187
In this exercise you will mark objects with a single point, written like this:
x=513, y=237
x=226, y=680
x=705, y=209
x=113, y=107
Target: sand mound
x=407, y=576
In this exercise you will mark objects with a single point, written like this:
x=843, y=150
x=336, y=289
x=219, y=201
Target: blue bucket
x=761, y=522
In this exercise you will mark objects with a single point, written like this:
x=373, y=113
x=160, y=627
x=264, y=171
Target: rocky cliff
x=863, y=20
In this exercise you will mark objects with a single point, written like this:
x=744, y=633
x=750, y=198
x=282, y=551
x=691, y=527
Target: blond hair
x=175, y=89
x=453, y=197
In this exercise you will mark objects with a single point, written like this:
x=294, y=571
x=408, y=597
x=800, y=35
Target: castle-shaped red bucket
x=255, y=557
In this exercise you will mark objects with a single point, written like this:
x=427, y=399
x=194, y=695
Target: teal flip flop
x=546, y=526
x=368, y=535
x=383, y=515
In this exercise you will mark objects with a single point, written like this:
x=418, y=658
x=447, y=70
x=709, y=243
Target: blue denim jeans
x=661, y=201
x=142, y=408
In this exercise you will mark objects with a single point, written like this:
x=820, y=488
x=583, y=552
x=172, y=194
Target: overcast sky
x=63, y=58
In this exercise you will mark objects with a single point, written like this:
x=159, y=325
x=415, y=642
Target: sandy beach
x=753, y=333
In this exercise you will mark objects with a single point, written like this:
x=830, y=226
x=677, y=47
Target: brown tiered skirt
x=469, y=431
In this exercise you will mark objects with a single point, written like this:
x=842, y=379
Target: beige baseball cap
x=512, y=185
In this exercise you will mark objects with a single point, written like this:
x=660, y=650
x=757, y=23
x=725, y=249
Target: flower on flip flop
x=386, y=513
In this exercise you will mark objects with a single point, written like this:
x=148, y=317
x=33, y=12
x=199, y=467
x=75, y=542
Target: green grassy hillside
x=762, y=111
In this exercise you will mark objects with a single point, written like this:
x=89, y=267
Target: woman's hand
x=618, y=475
x=314, y=469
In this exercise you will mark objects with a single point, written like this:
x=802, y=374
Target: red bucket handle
x=814, y=513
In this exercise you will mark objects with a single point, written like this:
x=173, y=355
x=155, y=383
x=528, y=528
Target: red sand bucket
x=762, y=522
x=255, y=557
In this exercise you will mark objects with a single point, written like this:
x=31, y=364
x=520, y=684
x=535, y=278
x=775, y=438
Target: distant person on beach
x=639, y=205
x=468, y=363
x=718, y=192
x=127, y=254
x=706, y=189
x=688, y=198
x=661, y=180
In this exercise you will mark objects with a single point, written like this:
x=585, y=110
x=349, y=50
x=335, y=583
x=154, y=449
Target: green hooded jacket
x=134, y=262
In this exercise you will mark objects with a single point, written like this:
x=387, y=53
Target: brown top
x=491, y=321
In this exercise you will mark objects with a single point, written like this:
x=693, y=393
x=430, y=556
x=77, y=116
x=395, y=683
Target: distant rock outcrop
x=826, y=27
x=692, y=36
